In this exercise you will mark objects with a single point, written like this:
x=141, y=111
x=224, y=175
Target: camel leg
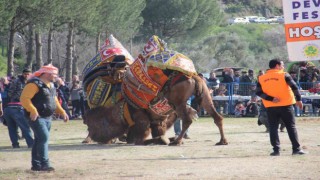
x=140, y=130
x=187, y=114
x=218, y=120
x=207, y=104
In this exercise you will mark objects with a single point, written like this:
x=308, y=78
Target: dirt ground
x=246, y=156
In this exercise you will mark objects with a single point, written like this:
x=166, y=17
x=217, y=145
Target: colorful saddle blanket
x=100, y=83
x=145, y=78
x=111, y=48
x=102, y=93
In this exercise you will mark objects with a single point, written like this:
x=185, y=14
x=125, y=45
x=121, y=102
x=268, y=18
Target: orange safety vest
x=273, y=83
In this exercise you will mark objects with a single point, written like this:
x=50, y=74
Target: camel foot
x=113, y=141
x=165, y=140
x=176, y=143
x=161, y=140
x=123, y=138
x=222, y=142
x=172, y=139
x=87, y=140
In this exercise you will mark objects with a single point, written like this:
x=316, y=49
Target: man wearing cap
x=14, y=112
x=40, y=102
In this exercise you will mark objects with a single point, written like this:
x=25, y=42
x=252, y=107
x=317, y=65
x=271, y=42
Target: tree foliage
x=176, y=17
x=239, y=45
x=121, y=18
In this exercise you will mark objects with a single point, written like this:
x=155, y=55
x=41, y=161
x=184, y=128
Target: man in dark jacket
x=14, y=112
x=63, y=95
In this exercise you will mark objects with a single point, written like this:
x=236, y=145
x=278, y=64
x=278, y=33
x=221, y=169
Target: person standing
x=1, y=110
x=75, y=92
x=63, y=94
x=213, y=82
x=4, y=90
x=40, y=102
x=279, y=92
x=14, y=113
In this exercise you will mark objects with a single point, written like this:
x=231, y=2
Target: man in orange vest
x=279, y=92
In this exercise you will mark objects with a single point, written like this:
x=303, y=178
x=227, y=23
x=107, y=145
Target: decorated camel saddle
x=155, y=69
x=104, y=73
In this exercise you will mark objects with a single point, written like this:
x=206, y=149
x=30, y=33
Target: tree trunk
x=75, y=70
x=10, y=67
x=39, y=61
x=2, y=50
x=98, y=41
x=69, y=52
x=50, y=36
x=30, y=46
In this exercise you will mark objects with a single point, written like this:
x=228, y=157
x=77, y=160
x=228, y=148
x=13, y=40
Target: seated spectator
x=252, y=89
x=252, y=107
x=315, y=102
x=221, y=91
x=239, y=110
x=305, y=80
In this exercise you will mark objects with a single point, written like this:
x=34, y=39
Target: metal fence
x=227, y=95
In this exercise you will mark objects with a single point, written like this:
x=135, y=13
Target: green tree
x=121, y=18
x=17, y=15
x=176, y=17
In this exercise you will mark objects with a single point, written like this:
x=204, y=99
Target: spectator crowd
x=235, y=82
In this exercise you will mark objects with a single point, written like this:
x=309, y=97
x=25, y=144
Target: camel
x=155, y=90
x=104, y=128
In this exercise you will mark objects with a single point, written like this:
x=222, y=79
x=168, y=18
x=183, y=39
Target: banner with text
x=302, y=27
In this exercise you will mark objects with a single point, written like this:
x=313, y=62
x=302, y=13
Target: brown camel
x=155, y=88
x=104, y=128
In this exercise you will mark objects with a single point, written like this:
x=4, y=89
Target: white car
x=238, y=20
x=272, y=20
x=275, y=19
x=261, y=20
x=250, y=18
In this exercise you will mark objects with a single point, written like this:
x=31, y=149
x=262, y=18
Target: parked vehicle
x=260, y=20
x=238, y=20
x=250, y=18
x=275, y=19
x=281, y=20
x=272, y=20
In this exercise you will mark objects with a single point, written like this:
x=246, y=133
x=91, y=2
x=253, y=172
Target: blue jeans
x=177, y=127
x=15, y=117
x=41, y=129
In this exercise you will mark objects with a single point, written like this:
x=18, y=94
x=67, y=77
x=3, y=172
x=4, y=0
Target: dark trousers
x=76, y=107
x=64, y=105
x=286, y=113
